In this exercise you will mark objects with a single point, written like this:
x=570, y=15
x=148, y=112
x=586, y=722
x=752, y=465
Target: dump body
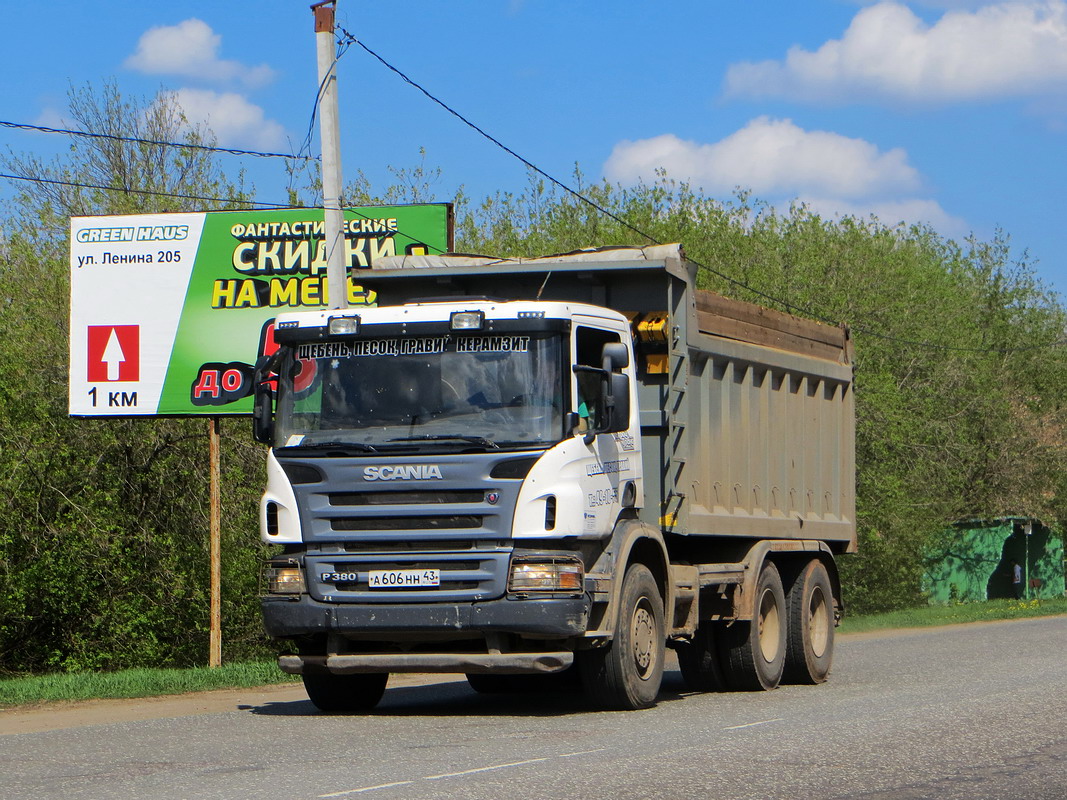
x=768, y=443
x=665, y=456
x=746, y=413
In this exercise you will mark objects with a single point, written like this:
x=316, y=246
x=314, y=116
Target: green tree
x=103, y=523
x=959, y=373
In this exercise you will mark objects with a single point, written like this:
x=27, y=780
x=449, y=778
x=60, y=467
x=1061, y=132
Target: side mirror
x=618, y=403
x=616, y=357
x=263, y=402
x=263, y=414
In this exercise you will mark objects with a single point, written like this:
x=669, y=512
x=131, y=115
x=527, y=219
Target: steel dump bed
x=747, y=414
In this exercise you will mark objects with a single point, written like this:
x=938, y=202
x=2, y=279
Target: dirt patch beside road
x=82, y=713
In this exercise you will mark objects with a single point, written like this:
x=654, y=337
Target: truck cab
x=438, y=466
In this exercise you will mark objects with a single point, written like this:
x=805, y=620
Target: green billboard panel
x=169, y=312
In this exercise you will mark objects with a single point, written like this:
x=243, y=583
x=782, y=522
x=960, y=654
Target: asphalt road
x=968, y=712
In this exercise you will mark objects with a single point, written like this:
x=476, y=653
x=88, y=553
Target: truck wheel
x=753, y=651
x=345, y=693
x=810, y=605
x=699, y=660
x=626, y=675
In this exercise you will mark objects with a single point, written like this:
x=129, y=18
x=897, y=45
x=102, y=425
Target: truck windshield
x=485, y=390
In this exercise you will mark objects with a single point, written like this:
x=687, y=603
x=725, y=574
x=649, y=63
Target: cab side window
x=589, y=397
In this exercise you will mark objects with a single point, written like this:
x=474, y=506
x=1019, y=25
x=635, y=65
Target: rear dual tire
x=789, y=640
x=699, y=660
x=810, y=646
x=753, y=652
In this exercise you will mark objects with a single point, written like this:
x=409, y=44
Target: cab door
x=609, y=462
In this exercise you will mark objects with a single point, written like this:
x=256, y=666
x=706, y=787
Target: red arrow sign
x=114, y=353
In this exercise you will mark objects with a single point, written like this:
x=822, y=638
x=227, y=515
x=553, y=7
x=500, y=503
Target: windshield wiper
x=360, y=446
x=435, y=437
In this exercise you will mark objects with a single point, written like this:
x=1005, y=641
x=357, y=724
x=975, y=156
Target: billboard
x=169, y=312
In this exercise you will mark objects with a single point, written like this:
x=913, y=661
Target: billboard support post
x=330, y=137
x=215, y=538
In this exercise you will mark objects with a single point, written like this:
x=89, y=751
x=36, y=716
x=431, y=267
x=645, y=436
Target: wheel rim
x=770, y=626
x=818, y=622
x=643, y=637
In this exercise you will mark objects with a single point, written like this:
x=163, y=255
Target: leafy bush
x=103, y=543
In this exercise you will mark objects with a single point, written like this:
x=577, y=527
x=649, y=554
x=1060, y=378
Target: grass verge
x=136, y=683
x=930, y=616
x=153, y=682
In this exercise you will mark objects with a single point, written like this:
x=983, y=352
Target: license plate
x=404, y=578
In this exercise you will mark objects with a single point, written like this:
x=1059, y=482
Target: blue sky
x=952, y=113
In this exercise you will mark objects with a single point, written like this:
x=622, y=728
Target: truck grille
x=450, y=522
x=423, y=546
x=457, y=522
x=468, y=496
x=465, y=576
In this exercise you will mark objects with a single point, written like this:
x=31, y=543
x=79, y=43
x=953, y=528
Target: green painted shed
x=973, y=561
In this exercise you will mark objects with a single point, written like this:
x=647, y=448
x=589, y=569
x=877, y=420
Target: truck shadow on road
x=457, y=699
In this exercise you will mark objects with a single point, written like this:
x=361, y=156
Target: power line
x=125, y=190
x=952, y=348
x=342, y=48
x=160, y=143
x=350, y=39
x=233, y=200
x=789, y=306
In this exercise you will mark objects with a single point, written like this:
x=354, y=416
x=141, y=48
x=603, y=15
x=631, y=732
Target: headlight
x=287, y=579
x=560, y=574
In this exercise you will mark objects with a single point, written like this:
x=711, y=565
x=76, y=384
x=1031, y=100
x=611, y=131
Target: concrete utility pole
x=330, y=133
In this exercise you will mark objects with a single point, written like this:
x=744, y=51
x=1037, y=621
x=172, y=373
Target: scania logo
x=403, y=472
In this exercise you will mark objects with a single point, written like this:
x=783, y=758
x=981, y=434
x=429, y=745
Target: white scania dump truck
x=514, y=467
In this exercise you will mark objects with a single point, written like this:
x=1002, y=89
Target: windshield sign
x=422, y=391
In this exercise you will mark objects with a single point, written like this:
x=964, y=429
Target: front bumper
x=483, y=663
x=549, y=617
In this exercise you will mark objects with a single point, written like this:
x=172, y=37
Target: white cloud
x=1000, y=50
x=940, y=4
x=190, y=49
x=891, y=212
x=233, y=119
x=769, y=156
x=51, y=117
x=780, y=162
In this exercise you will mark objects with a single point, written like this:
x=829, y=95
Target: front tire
x=345, y=693
x=626, y=675
x=753, y=651
x=810, y=605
